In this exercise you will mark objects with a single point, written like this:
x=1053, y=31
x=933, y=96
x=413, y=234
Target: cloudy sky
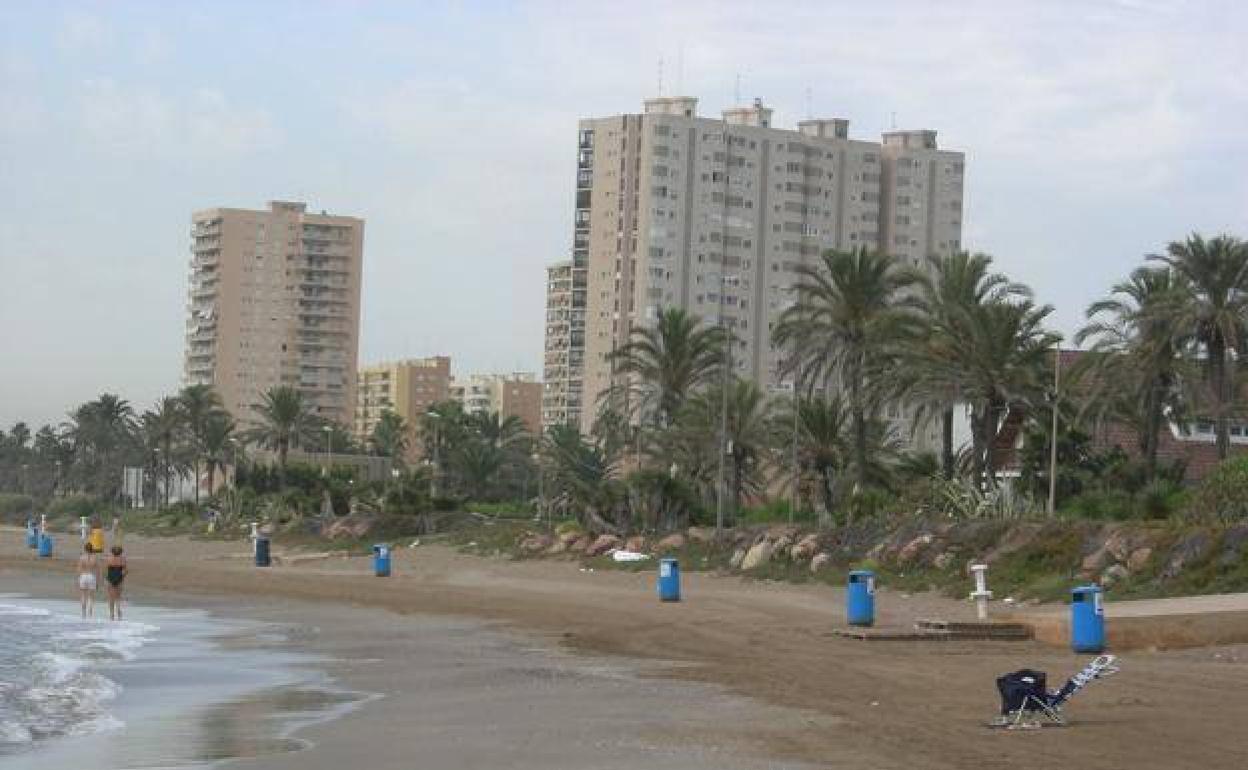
x=1095, y=131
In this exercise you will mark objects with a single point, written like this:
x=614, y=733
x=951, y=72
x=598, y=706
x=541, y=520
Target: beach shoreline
x=807, y=697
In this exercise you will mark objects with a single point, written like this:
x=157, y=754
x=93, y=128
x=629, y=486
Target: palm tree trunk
x=212, y=476
x=281, y=465
x=990, y=444
x=946, y=442
x=1150, y=435
x=860, y=429
x=1219, y=381
x=197, y=481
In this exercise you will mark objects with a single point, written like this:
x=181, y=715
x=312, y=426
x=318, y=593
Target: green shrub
x=1223, y=495
x=513, y=510
x=1102, y=504
x=76, y=506
x=16, y=505
x=1159, y=499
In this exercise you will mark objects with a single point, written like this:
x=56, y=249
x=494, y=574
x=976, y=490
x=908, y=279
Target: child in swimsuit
x=88, y=576
x=115, y=574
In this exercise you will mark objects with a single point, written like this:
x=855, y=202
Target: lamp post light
x=329, y=449
x=433, y=476
x=233, y=462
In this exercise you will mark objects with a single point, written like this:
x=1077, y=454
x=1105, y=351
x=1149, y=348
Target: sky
x=1096, y=131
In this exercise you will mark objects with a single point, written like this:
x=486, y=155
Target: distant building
x=408, y=388
x=274, y=299
x=564, y=361
x=518, y=394
x=715, y=216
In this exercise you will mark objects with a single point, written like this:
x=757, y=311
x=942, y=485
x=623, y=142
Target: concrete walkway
x=1187, y=621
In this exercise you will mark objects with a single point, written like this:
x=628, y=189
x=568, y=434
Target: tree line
x=870, y=348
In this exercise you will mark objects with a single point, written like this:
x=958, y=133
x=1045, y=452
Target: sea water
x=51, y=683
x=159, y=689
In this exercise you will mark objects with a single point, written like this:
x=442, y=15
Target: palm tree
x=1004, y=361
x=825, y=445
x=750, y=435
x=846, y=328
x=100, y=431
x=390, y=436
x=1210, y=318
x=285, y=421
x=164, y=428
x=216, y=446
x=581, y=475
x=951, y=289
x=670, y=360
x=1134, y=363
x=200, y=404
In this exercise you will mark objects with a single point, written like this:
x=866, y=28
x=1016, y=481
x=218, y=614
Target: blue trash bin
x=381, y=560
x=263, y=558
x=45, y=545
x=1087, y=619
x=32, y=535
x=860, y=598
x=669, y=580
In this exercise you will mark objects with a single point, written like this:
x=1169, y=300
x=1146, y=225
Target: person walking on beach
x=115, y=570
x=88, y=578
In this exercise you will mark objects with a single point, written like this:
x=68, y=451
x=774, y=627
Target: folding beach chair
x=1026, y=700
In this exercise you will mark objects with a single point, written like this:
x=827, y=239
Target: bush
x=16, y=505
x=1115, y=505
x=76, y=506
x=1223, y=495
x=513, y=510
x=1159, y=499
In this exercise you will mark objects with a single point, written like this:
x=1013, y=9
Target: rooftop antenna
x=810, y=113
x=660, y=76
x=736, y=91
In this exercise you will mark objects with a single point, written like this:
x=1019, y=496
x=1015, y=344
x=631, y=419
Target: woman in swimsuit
x=115, y=573
x=88, y=578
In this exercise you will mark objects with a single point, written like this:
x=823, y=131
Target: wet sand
x=740, y=672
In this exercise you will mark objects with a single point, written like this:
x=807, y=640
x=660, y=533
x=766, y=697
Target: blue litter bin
x=263, y=559
x=669, y=580
x=32, y=535
x=45, y=545
x=860, y=598
x=381, y=560
x=1087, y=619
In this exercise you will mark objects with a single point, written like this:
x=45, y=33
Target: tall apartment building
x=518, y=394
x=274, y=299
x=564, y=360
x=408, y=388
x=673, y=210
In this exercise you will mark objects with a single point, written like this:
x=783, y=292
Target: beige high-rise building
x=274, y=299
x=675, y=210
x=408, y=388
x=511, y=395
x=564, y=360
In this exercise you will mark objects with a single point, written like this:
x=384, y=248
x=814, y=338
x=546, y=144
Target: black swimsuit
x=116, y=573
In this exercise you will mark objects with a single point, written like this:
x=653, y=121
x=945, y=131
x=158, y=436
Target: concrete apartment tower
x=274, y=299
x=518, y=394
x=564, y=362
x=673, y=210
x=408, y=388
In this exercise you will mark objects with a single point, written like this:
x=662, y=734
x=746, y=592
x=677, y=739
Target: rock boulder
x=758, y=556
x=603, y=544
x=673, y=542
x=820, y=562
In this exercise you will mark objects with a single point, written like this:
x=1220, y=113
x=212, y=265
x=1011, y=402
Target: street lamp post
x=433, y=476
x=329, y=449
x=1057, y=374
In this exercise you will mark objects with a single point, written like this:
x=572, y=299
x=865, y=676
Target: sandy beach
x=493, y=663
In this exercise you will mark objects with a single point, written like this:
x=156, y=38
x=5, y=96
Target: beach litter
x=626, y=556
